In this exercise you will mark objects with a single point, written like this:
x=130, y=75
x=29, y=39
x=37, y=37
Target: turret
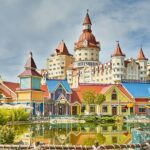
x=86, y=48
x=118, y=64
x=142, y=60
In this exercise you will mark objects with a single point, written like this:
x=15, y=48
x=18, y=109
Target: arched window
x=114, y=95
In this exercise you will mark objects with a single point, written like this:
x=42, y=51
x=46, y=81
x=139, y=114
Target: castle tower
x=142, y=60
x=86, y=48
x=118, y=64
x=58, y=63
x=30, y=92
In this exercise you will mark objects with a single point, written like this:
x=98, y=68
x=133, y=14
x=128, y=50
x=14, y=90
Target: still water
x=76, y=134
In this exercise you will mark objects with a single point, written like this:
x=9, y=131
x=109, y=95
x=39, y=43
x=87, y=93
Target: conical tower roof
x=62, y=49
x=118, y=51
x=141, y=55
x=87, y=19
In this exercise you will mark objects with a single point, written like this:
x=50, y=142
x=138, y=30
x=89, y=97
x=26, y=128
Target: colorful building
x=140, y=92
x=58, y=95
x=117, y=99
x=8, y=91
x=30, y=92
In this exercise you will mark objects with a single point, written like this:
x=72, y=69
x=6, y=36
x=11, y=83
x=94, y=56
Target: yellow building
x=117, y=99
x=30, y=92
x=58, y=63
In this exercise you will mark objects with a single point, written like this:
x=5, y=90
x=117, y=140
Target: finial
x=87, y=10
x=30, y=54
x=117, y=42
x=141, y=45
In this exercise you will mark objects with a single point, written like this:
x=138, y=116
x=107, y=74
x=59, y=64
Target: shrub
x=7, y=135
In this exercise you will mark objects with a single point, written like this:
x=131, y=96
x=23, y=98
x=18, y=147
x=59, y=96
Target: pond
x=76, y=134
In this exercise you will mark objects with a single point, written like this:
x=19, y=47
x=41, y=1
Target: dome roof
x=89, y=37
x=86, y=35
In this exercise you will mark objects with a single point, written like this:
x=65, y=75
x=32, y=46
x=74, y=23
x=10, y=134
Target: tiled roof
x=89, y=37
x=77, y=93
x=118, y=51
x=30, y=62
x=45, y=89
x=53, y=84
x=141, y=55
x=11, y=85
x=62, y=49
x=30, y=73
x=124, y=91
x=137, y=89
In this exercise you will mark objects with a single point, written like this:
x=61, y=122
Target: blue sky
x=39, y=25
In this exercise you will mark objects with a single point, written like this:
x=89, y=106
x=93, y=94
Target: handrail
x=144, y=146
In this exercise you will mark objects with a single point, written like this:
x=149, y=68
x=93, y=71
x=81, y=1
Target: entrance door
x=114, y=111
x=61, y=109
x=74, y=110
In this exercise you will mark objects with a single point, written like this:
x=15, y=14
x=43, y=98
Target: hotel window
x=105, y=128
x=85, y=53
x=142, y=110
x=124, y=108
x=92, y=108
x=104, y=109
x=91, y=53
x=114, y=95
x=114, y=139
x=117, y=63
x=83, y=108
x=79, y=54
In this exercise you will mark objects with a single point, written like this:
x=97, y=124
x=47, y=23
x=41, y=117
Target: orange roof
x=87, y=19
x=11, y=85
x=89, y=37
x=45, y=89
x=124, y=91
x=62, y=49
x=118, y=51
x=141, y=55
x=77, y=93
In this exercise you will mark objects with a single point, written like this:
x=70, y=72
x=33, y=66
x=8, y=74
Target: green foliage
x=100, y=98
x=7, y=135
x=18, y=114
x=104, y=119
x=88, y=97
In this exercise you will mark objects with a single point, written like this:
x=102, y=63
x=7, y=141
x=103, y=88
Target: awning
x=130, y=105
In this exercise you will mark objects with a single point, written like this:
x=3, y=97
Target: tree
x=100, y=98
x=88, y=97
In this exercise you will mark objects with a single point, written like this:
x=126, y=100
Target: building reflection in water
x=74, y=134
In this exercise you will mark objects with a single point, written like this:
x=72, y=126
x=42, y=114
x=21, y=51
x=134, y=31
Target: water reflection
x=75, y=134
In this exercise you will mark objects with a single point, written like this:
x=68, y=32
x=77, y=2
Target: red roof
x=30, y=62
x=77, y=93
x=5, y=94
x=11, y=85
x=124, y=91
x=87, y=19
x=118, y=51
x=98, y=88
x=30, y=73
x=62, y=49
x=45, y=89
x=141, y=55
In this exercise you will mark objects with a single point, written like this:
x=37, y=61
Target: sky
x=40, y=25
